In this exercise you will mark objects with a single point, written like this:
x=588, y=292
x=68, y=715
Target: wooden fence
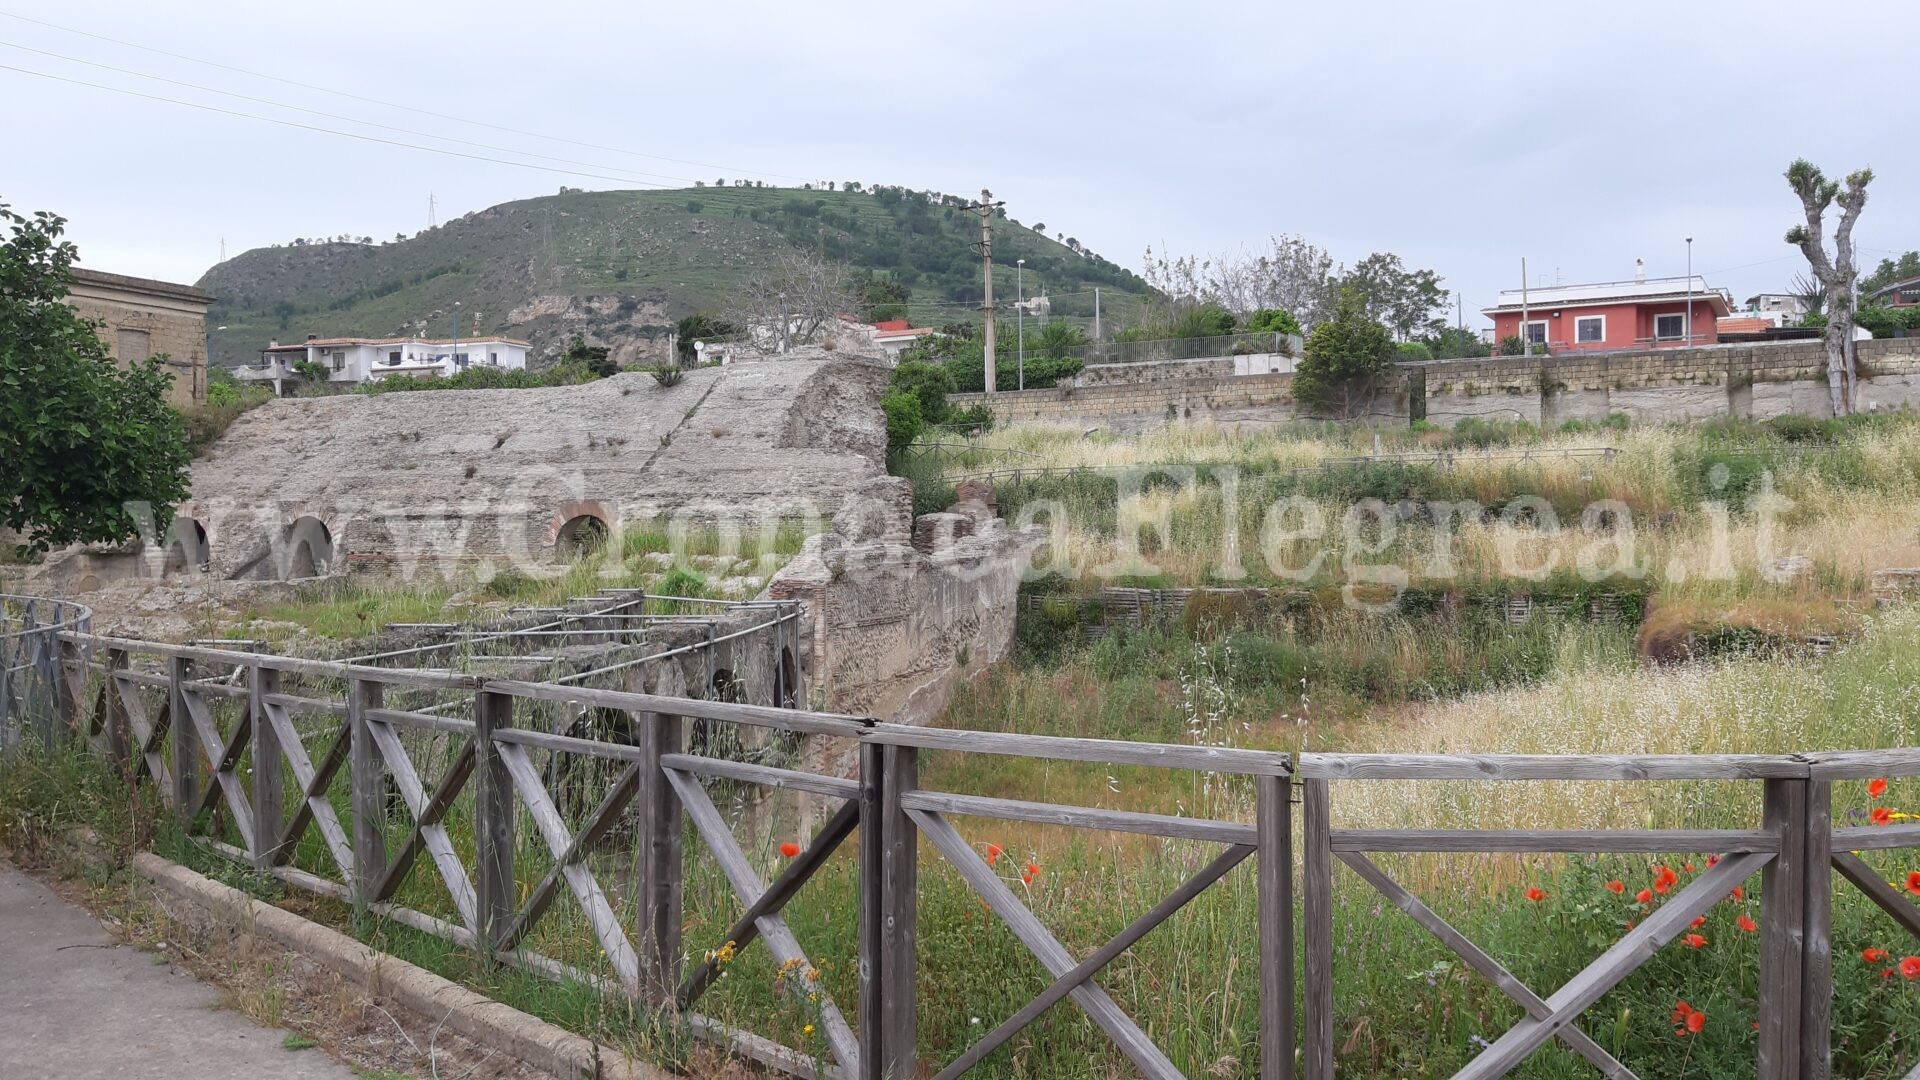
x=163, y=726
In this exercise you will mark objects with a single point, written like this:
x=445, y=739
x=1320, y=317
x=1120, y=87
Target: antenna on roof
x=1639, y=269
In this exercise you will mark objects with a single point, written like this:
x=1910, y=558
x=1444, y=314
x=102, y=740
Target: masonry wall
x=1757, y=381
x=136, y=325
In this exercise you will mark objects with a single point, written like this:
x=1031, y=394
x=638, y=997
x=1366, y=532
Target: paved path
x=107, y=1010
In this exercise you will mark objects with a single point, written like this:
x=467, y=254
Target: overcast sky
x=1461, y=136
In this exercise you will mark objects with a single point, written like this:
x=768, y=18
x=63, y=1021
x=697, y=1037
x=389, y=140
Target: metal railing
x=30, y=683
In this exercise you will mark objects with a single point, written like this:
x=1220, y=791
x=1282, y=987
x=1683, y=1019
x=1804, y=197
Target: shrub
x=904, y=422
x=667, y=374
x=1272, y=321
x=929, y=383
x=1346, y=358
x=1412, y=352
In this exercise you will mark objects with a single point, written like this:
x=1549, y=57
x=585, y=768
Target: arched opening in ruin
x=580, y=536
x=726, y=686
x=786, y=688
x=187, y=549
x=309, y=546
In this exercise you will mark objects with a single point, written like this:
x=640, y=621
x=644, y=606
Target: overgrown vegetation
x=88, y=447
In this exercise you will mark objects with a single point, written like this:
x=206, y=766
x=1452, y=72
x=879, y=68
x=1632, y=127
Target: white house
x=357, y=360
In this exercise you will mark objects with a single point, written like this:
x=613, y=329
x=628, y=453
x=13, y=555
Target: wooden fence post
x=662, y=863
x=1783, y=929
x=119, y=741
x=1317, y=910
x=70, y=687
x=1816, y=1002
x=872, y=940
x=1273, y=822
x=899, y=896
x=493, y=820
x=186, y=742
x=367, y=780
x=269, y=790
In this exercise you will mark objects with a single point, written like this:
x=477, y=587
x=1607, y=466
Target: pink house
x=1611, y=315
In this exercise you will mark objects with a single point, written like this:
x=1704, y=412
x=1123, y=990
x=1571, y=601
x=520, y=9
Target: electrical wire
x=328, y=131
x=337, y=116
x=384, y=104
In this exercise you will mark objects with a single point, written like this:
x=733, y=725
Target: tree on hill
x=1347, y=357
x=595, y=360
x=794, y=302
x=88, y=447
x=1836, y=274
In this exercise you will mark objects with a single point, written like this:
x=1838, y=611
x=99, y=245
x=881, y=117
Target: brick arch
x=569, y=513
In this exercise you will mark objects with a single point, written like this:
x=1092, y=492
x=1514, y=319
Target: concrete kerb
x=479, y=1018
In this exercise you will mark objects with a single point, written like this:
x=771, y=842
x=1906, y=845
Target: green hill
x=623, y=266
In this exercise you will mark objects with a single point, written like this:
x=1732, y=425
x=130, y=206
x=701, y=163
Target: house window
x=132, y=346
x=1537, y=333
x=1669, y=327
x=1590, y=329
x=393, y=357
x=339, y=360
x=493, y=358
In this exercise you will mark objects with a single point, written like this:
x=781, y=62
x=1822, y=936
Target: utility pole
x=985, y=208
x=1689, y=292
x=1096, y=314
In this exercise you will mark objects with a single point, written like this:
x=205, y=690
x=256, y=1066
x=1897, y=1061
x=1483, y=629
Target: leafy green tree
x=1347, y=357
x=1452, y=342
x=1890, y=271
x=1272, y=321
x=883, y=299
x=929, y=384
x=1390, y=293
x=904, y=422
x=83, y=441
x=1056, y=341
x=595, y=360
x=700, y=326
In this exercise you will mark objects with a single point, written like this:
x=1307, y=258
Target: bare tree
x=1296, y=276
x=1837, y=274
x=794, y=302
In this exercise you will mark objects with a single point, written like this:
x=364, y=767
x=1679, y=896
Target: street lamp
x=1020, y=319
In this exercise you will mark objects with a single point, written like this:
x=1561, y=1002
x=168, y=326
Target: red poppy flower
x=1644, y=896
x=1033, y=869
x=1913, y=882
x=1696, y=1022
x=1681, y=1011
x=993, y=854
x=1876, y=787
x=1910, y=968
x=1630, y=923
x=1688, y=867
x=1664, y=879
x=1535, y=894
x=1873, y=955
x=1713, y=861
x=1688, y=1020
x=1746, y=924
x=1738, y=894
x=1886, y=973
x=1616, y=887
x=789, y=849
x=1699, y=922
x=1695, y=941
x=1882, y=816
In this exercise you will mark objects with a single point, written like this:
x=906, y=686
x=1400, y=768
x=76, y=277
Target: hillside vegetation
x=623, y=266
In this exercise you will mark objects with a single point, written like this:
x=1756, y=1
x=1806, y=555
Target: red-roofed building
x=1611, y=315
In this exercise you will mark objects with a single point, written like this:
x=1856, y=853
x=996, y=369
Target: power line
x=328, y=131
x=332, y=116
x=385, y=104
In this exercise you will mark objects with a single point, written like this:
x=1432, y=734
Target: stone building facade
x=141, y=317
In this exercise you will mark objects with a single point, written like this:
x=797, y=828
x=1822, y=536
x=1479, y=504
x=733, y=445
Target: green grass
x=294, y=1043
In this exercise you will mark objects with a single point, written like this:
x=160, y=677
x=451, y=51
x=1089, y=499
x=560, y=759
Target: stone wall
x=1757, y=381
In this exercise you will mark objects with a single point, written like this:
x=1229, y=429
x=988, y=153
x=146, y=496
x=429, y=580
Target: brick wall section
x=1759, y=381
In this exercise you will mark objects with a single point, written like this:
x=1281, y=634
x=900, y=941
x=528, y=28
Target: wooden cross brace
x=428, y=829
x=314, y=805
x=151, y=735
x=603, y=818
x=1099, y=1007
x=749, y=889
x=224, y=754
x=569, y=859
x=1592, y=983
